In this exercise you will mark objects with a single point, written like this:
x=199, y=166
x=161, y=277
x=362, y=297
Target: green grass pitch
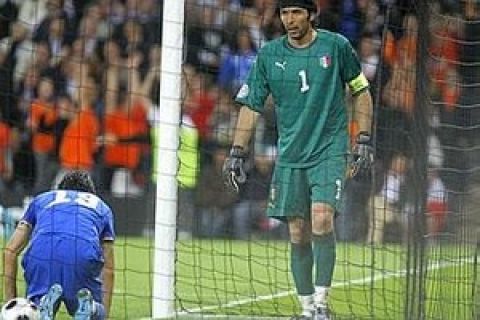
x=251, y=279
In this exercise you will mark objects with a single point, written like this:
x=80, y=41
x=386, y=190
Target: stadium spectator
x=8, y=145
x=86, y=44
x=41, y=123
x=248, y=214
x=328, y=15
x=57, y=28
x=18, y=47
x=371, y=17
x=398, y=105
x=66, y=110
x=31, y=13
x=369, y=55
x=41, y=57
x=385, y=205
x=349, y=25
x=223, y=120
x=470, y=69
x=25, y=94
x=199, y=101
x=237, y=62
x=47, y=65
x=263, y=17
x=437, y=204
x=125, y=122
x=214, y=202
x=70, y=257
x=79, y=143
x=206, y=43
x=255, y=24
x=132, y=38
x=443, y=49
x=150, y=17
x=405, y=45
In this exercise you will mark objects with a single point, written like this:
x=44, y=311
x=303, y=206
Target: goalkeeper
x=306, y=73
x=70, y=254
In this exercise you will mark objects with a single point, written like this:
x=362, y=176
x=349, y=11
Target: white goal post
x=163, y=295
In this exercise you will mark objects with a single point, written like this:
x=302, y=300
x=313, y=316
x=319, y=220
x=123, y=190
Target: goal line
x=338, y=284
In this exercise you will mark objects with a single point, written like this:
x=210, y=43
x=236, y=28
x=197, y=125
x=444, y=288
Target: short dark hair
x=78, y=180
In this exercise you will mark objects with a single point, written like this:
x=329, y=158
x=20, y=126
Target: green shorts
x=293, y=190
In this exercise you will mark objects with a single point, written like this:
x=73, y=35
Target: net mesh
x=403, y=245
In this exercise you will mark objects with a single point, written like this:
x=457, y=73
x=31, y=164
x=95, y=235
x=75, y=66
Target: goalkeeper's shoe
x=322, y=313
x=50, y=302
x=85, y=305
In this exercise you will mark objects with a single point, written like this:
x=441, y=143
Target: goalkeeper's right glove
x=362, y=157
x=233, y=169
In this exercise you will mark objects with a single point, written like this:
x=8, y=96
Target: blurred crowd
x=79, y=90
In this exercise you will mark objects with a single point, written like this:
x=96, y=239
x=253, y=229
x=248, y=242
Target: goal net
x=407, y=240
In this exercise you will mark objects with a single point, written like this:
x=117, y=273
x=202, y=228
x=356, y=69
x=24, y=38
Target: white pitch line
x=359, y=281
x=222, y=317
x=381, y=276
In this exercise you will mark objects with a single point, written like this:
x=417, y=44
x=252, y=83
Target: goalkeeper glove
x=233, y=169
x=362, y=157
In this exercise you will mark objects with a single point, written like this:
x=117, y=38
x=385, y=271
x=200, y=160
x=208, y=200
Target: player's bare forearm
x=14, y=247
x=247, y=120
x=10, y=276
x=363, y=111
x=108, y=274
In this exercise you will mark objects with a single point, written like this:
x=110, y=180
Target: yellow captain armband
x=358, y=84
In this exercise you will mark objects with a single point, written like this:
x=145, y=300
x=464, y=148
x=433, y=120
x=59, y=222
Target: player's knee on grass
x=322, y=218
x=300, y=230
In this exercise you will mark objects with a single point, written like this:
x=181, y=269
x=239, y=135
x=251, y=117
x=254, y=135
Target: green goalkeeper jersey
x=308, y=88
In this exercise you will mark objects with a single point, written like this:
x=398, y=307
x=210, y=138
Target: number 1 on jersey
x=303, y=78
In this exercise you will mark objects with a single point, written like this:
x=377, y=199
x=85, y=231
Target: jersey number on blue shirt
x=81, y=198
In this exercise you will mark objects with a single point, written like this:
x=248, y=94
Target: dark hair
x=306, y=4
x=77, y=180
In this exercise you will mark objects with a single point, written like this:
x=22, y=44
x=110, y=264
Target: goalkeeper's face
x=296, y=22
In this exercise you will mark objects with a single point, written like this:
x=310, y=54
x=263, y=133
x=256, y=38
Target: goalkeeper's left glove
x=362, y=157
x=233, y=170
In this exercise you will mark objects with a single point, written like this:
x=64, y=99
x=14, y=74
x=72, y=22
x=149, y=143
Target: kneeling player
x=70, y=255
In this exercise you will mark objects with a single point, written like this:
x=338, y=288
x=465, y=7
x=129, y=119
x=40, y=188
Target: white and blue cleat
x=85, y=305
x=49, y=302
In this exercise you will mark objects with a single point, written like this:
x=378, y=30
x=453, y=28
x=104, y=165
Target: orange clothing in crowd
x=138, y=113
x=437, y=210
x=450, y=96
x=42, y=142
x=79, y=144
x=5, y=133
x=124, y=124
x=406, y=45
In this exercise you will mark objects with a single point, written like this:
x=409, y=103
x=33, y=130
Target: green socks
x=324, y=255
x=301, y=263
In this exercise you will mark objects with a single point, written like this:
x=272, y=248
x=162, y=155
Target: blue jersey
x=68, y=228
x=70, y=213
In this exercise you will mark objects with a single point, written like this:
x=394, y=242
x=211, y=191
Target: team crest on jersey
x=325, y=61
x=243, y=92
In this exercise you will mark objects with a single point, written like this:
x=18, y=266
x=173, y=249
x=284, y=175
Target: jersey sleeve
x=30, y=215
x=351, y=70
x=108, y=232
x=256, y=90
